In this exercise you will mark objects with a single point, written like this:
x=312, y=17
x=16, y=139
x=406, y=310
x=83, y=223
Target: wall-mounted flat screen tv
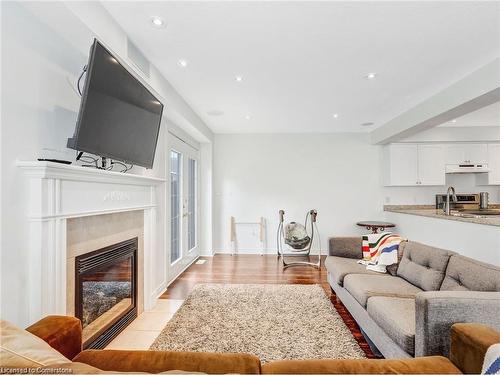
x=119, y=117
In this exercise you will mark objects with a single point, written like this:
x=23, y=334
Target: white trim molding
x=59, y=192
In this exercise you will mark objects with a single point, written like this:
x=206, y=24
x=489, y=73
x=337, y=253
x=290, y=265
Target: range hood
x=467, y=168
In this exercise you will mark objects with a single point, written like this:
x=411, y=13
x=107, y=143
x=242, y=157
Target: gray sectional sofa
x=410, y=312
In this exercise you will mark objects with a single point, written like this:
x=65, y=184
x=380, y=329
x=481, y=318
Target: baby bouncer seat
x=293, y=240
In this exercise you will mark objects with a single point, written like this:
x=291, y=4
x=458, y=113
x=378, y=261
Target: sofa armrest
x=159, y=361
x=346, y=247
x=469, y=343
x=63, y=333
x=437, y=311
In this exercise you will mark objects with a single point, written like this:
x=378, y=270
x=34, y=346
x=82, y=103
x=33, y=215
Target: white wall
x=338, y=174
x=257, y=175
x=206, y=199
x=39, y=106
x=44, y=47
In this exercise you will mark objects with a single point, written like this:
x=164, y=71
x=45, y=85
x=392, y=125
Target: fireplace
x=106, y=292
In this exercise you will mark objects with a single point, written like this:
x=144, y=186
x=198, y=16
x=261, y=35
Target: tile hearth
x=141, y=333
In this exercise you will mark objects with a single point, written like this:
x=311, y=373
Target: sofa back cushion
x=393, y=268
x=423, y=266
x=468, y=274
x=19, y=348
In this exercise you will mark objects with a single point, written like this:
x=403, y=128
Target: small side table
x=375, y=226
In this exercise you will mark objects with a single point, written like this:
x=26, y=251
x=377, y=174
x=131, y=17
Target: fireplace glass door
x=106, y=290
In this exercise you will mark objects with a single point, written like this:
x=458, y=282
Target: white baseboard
x=259, y=252
x=180, y=273
x=208, y=253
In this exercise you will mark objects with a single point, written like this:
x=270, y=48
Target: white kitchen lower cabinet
x=414, y=165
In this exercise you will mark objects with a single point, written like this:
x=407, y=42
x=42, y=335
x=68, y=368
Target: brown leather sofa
x=469, y=343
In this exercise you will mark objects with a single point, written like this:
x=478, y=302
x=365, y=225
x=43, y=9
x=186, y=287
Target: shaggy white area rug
x=271, y=321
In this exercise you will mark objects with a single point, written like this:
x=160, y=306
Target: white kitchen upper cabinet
x=455, y=154
x=493, y=176
x=477, y=153
x=466, y=153
x=431, y=165
x=401, y=165
x=414, y=165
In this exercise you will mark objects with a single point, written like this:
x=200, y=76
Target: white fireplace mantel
x=58, y=192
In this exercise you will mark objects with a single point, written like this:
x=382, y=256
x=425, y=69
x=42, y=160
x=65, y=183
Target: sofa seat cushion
x=423, y=266
x=396, y=316
x=363, y=287
x=468, y=274
x=339, y=267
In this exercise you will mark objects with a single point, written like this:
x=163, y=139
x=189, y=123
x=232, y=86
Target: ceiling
x=303, y=62
x=487, y=116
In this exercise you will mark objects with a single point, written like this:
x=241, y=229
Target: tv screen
x=119, y=117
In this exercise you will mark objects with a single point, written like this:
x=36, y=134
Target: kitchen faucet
x=446, y=207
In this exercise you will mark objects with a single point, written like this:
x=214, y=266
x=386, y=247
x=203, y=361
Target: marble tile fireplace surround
x=75, y=211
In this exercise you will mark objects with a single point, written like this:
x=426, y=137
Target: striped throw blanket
x=491, y=364
x=380, y=250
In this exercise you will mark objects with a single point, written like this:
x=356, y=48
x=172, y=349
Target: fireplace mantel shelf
x=44, y=169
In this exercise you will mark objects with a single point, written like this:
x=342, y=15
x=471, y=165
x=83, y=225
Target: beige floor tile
x=168, y=305
x=150, y=321
x=133, y=340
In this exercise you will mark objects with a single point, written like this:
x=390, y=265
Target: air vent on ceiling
x=136, y=56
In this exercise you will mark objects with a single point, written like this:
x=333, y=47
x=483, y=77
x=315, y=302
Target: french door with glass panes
x=184, y=182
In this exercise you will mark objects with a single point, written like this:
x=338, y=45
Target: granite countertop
x=431, y=211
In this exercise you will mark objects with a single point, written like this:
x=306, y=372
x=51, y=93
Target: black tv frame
x=73, y=141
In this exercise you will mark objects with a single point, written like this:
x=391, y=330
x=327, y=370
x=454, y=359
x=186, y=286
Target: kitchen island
x=431, y=211
x=475, y=237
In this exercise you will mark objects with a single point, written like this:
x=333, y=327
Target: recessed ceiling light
x=247, y=117
x=453, y=121
x=335, y=115
x=183, y=63
x=238, y=78
x=215, y=112
x=158, y=22
x=371, y=75
x=367, y=124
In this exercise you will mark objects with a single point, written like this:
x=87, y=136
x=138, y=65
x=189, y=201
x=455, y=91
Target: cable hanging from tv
x=80, y=78
x=93, y=162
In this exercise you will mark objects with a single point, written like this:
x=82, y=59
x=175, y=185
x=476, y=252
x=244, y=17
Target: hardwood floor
x=259, y=269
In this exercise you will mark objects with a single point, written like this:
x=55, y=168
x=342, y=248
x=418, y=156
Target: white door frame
x=187, y=256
